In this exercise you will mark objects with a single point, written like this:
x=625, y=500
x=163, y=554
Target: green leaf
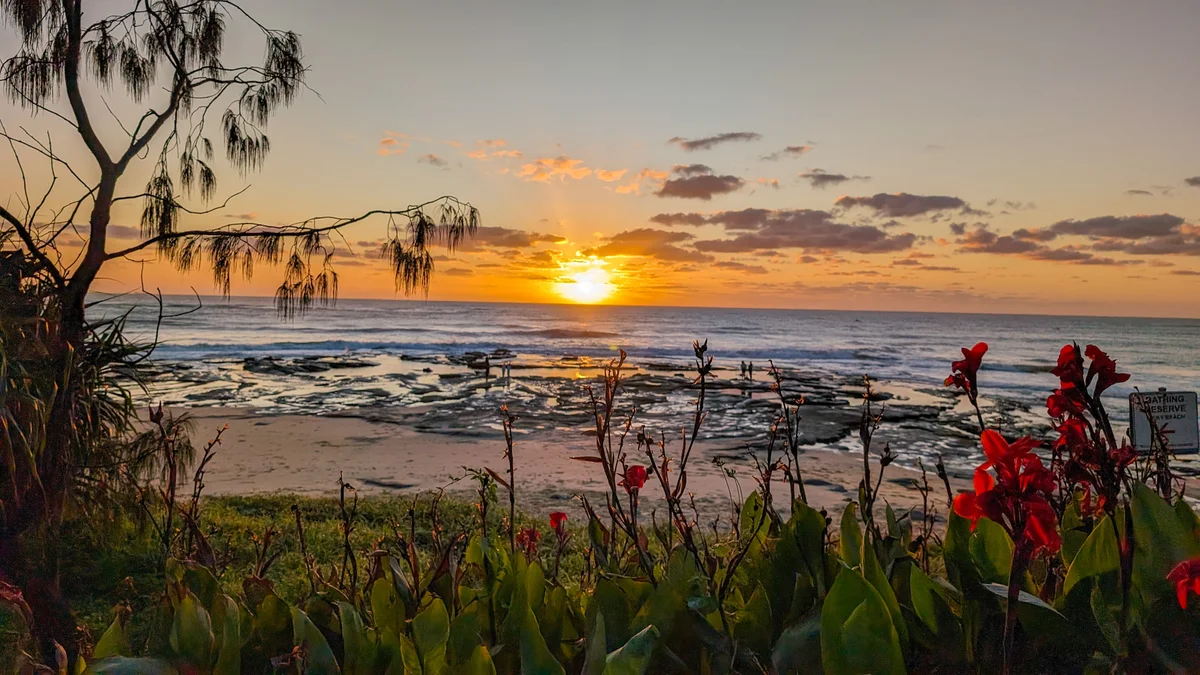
x=191, y=632
x=113, y=642
x=1073, y=532
x=857, y=635
x=1097, y=556
x=874, y=575
x=273, y=626
x=597, y=649
x=752, y=521
x=1105, y=618
x=319, y=659
x=991, y=550
x=431, y=631
x=520, y=629
x=752, y=627
x=634, y=656
x=359, y=650
x=924, y=594
x=808, y=529
x=1161, y=542
x=465, y=631
x=852, y=538
x=479, y=663
x=227, y=623
x=798, y=649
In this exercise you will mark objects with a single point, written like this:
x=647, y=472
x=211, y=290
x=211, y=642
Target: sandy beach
x=304, y=454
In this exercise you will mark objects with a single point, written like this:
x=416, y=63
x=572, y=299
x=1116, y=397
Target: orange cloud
x=492, y=143
x=478, y=154
x=507, y=153
x=392, y=145
x=610, y=176
x=635, y=187
x=545, y=168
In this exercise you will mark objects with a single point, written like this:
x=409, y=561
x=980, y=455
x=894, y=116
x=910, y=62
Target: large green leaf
x=520, y=631
x=227, y=627
x=113, y=642
x=431, y=631
x=319, y=659
x=874, y=575
x=191, y=632
x=1161, y=542
x=857, y=635
x=479, y=663
x=1097, y=556
x=752, y=626
x=634, y=656
x=808, y=529
x=991, y=550
x=359, y=649
x=798, y=649
x=851, y=536
x=597, y=648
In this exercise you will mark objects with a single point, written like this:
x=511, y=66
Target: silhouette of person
x=750, y=370
x=743, y=369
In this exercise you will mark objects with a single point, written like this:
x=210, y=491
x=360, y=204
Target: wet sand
x=304, y=454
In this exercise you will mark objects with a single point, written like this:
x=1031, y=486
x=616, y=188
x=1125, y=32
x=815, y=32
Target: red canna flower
x=527, y=540
x=1069, y=370
x=1104, y=369
x=1063, y=402
x=635, y=478
x=1016, y=497
x=966, y=370
x=558, y=523
x=1185, y=576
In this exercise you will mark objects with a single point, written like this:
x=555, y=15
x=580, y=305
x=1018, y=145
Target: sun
x=588, y=286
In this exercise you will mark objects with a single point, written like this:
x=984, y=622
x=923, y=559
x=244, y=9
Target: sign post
x=1174, y=412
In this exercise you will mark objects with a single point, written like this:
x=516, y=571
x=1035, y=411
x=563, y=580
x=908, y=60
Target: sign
x=1175, y=414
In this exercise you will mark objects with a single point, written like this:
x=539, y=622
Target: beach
x=305, y=455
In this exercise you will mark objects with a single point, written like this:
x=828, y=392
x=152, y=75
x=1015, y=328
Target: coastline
x=305, y=454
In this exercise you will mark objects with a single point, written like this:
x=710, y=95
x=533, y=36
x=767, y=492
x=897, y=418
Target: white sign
x=1175, y=414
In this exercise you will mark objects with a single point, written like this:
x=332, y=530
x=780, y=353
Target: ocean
x=415, y=351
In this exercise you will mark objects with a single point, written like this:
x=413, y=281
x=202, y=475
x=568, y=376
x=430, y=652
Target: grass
x=125, y=563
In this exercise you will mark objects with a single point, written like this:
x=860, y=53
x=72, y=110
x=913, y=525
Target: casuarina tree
x=195, y=112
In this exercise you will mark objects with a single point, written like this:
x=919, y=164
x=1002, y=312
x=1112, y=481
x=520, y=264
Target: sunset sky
x=993, y=157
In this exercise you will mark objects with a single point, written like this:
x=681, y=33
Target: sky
x=1022, y=157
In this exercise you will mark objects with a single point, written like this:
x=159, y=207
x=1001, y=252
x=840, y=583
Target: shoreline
x=305, y=454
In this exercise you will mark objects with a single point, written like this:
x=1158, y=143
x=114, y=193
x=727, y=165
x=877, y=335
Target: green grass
x=125, y=563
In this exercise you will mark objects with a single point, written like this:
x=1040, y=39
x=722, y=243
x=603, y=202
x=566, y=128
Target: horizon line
x=317, y=306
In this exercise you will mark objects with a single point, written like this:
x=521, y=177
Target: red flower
x=527, y=539
x=635, y=478
x=1016, y=497
x=1103, y=368
x=1063, y=402
x=558, y=523
x=1069, y=370
x=1186, y=576
x=966, y=370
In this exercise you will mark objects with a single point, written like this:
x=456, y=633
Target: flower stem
x=1019, y=564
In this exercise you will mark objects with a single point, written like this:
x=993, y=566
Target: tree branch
x=34, y=249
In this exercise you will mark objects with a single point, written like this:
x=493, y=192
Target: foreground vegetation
x=1079, y=559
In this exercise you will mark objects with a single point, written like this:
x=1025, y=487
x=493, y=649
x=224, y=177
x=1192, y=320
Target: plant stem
x=1019, y=564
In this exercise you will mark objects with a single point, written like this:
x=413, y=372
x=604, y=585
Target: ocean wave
x=569, y=333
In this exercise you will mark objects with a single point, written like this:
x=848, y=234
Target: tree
x=165, y=56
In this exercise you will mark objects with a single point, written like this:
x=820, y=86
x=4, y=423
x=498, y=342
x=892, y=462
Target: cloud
x=249, y=215
x=768, y=182
x=507, y=153
x=789, y=151
x=503, y=237
x=763, y=229
x=693, y=219
x=1033, y=234
x=903, y=204
x=650, y=243
x=492, y=143
x=480, y=155
x=391, y=145
x=1186, y=273
x=739, y=267
x=1139, y=193
x=634, y=187
x=432, y=160
x=983, y=240
x=610, y=176
x=1194, y=181
x=458, y=272
x=544, y=168
x=820, y=178
x=1122, y=227
x=124, y=232
x=696, y=181
x=906, y=262
x=708, y=142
